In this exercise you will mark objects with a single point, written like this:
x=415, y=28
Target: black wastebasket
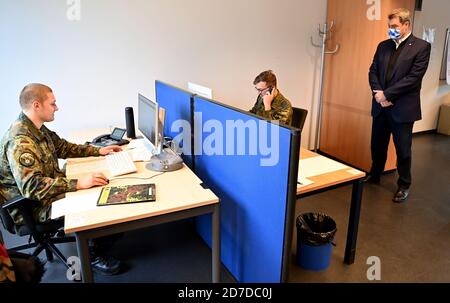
x=315, y=234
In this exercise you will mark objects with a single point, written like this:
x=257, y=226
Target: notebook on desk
x=124, y=194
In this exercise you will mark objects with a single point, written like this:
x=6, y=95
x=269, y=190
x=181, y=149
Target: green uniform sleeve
x=66, y=149
x=28, y=169
x=281, y=113
x=254, y=108
x=268, y=114
x=281, y=110
x=284, y=115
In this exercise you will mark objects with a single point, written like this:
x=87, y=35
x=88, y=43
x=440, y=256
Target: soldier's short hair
x=31, y=92
x=266, y=76
x=402, y=13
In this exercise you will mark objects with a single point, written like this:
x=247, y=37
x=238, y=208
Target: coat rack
x=326, y=34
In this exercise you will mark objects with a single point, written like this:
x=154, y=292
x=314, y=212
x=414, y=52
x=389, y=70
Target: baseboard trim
x=426, y=132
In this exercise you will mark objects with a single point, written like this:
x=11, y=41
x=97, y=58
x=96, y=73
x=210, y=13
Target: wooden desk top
x=175, y=191
x=327, y=179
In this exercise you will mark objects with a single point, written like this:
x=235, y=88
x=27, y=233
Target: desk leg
x=352, y=233
x=85, y=259
x=216, y=244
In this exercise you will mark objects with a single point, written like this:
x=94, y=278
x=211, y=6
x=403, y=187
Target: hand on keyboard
x=120, y=163
x=91, y=180
x=109, y=149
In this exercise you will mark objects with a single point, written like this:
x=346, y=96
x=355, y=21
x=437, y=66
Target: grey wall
x=98, y=64
x=434, y=14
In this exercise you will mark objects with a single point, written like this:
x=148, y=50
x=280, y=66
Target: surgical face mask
x=394, y=33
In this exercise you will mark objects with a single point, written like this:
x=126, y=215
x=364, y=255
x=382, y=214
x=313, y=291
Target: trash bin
x=315, y=234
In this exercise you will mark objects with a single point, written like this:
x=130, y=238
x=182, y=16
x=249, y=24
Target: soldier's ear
x=35, y=104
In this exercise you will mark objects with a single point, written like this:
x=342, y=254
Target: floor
x=411, y=239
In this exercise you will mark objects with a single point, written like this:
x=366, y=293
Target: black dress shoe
x=371, y=179
x=107, y=266
x=401, y=195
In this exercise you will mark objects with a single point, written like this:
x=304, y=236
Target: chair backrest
x=24, y=207
x=299, y=117
x=7, y=221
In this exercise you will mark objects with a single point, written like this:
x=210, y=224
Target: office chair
x=45, y=235
x=299, y=117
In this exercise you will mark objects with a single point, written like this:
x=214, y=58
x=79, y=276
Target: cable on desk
x=140, y=178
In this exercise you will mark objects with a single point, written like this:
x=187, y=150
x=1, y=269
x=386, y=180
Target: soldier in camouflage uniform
x=29, y=165
x=271, y=104
x=29, y=154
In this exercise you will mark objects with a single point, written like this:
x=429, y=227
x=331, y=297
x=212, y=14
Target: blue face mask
x=394, y=33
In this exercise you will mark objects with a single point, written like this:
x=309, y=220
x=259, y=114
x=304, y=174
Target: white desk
x=179, y=195
x=329, y=180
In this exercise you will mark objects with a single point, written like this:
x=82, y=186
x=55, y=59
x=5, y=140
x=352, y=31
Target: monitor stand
x=166, y=160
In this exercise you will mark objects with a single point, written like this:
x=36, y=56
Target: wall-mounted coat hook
x=326, y=34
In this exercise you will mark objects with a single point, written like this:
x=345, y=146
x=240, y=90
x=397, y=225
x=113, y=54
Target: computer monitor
x=148, y=120
x=151, y=119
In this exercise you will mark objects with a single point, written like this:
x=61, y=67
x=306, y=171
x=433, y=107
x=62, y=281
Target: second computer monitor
x=151, y=122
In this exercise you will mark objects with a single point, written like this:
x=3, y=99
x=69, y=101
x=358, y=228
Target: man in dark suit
x=395, y=78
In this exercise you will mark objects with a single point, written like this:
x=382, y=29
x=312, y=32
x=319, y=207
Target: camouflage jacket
x=29, y=165
x=281, y=109
x=6, y=267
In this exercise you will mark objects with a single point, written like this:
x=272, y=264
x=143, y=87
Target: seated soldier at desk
x=29, y=154
x=271, y=104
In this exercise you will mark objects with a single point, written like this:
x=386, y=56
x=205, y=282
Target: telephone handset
x=115, y=138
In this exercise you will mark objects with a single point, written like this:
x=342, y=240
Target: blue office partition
x=253, y=187
x=178, y=121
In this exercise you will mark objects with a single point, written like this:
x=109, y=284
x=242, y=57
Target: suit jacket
x=403, y=89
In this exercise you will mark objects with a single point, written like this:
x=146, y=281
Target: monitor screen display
x=147, y=119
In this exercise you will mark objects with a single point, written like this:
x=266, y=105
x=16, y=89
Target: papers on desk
x=61, y=163
x=140, y=154
x=354, y=171
x=139, y=150
x=303, y=182
x=319, y=165
x=74, y=204
x=135, y=143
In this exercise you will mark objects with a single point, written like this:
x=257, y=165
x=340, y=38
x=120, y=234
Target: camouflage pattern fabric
x=6, y=267
x=281, y=109
x=29, y=165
